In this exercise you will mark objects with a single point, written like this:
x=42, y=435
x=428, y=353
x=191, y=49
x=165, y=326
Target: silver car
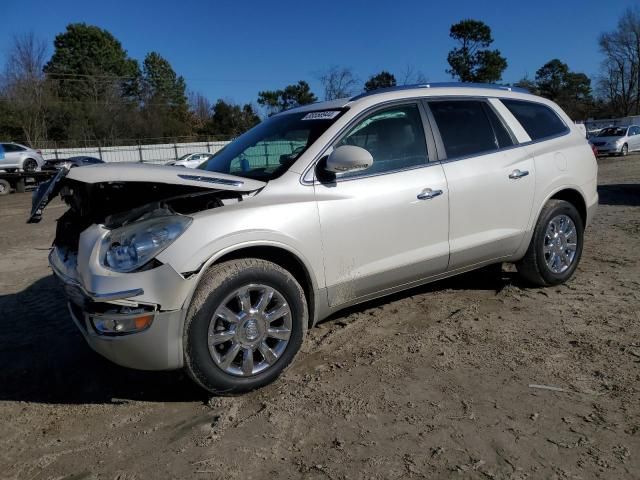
x=190, y=160
x=617, y=140
x=222, y=269
x=14, y=156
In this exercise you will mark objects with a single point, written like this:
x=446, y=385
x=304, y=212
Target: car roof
x=422, y=90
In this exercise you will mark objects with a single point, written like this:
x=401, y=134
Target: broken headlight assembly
x=128, y=248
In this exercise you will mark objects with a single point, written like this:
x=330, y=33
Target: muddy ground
x=432, y=383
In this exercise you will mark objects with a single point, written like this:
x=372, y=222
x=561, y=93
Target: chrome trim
x=517, y=174
x=98, y=297
x=487, y=86
x=428, y=194
x=216, y=180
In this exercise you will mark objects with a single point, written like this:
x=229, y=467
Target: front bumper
x=607, y=150
x=157, y=348
x=160, y=291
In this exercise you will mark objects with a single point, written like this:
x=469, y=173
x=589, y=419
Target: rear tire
x=29, y=165
x=219, y=323
x=556, y=245
x=624, y=151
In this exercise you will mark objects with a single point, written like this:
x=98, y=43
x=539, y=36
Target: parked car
x=14, y=156
x=617, y=140
x=221, y=271
x=71, y=162
x=190, y=160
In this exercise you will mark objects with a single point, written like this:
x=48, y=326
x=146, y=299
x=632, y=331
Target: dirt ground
x=432, y=383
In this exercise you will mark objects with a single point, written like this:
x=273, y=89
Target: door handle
x=516, y=174
x=428, y=194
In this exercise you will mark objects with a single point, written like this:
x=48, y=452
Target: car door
x=491, y=182
x=388, y=225
x=11, y=155
x=634, y=138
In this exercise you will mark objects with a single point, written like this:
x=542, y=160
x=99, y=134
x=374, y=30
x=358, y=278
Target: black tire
x=624, y=151
x=216, y=285
x=5, y=187
x=29, y=165
x=533, y=266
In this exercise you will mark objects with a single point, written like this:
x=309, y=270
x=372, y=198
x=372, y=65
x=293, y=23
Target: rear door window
x=539, y=121
x=465, y=128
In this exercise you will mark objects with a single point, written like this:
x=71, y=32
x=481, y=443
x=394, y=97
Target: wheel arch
x=575, y=198
x=281, y=256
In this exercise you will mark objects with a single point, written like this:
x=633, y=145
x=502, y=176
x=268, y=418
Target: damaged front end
x=128, y=305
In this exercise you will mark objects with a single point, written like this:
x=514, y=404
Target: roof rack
x=489, y=86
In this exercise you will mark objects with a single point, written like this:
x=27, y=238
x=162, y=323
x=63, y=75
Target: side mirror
x=348, y=158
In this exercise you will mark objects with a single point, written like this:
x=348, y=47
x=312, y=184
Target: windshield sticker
x=327, y=115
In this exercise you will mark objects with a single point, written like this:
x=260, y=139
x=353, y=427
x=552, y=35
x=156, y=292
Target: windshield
x=183, y=157
x=266, y=151
x=613, y=132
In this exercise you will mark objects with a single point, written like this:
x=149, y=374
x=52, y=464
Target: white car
x=222, y=270
x=190, y=160
x=617, y=140
x=14, y=156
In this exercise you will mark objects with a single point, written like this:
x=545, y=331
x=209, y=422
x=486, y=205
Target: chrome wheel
x=560, y=243
x=624, y=150
x=250, y=330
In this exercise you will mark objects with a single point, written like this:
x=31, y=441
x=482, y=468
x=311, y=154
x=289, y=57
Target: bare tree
x=200, y=108
x=24, y=86
x=620, y=80
x=411, y=76
x=338, y=82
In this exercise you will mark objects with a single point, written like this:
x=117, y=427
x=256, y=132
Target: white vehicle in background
x=222, y=270
x=190, y=160
x=617, y=140
x=14, y=156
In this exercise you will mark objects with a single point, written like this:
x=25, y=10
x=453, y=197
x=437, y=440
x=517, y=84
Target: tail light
x=39, y=152
x=594, y=149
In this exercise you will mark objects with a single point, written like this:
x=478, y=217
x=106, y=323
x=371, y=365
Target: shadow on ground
x=620, y=194
x=45, y=359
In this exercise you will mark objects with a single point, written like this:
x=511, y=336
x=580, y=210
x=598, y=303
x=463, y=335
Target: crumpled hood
x=107, y=189
x=140, y=172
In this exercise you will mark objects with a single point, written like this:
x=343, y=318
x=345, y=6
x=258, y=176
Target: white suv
x=221, y=270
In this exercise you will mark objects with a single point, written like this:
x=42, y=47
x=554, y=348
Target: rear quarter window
x=538, y=120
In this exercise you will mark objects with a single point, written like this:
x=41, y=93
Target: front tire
x=556, y=246
x=245, y=324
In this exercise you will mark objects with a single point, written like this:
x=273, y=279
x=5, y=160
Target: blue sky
x=233, y=49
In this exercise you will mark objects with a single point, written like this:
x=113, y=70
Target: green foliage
x=231, y=120
x=571, y=90
x=472, y=61
x=88, y=61
x=291, y=96
x=383, y=79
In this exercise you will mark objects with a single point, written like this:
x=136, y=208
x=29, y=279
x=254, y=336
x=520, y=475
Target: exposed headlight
x=130, y=247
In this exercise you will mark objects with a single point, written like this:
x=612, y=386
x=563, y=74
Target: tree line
x=91, y=91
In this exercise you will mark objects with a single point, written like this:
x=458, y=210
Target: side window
x=635, y=130
x=538, y=120
x=503, y=138
x=9, y=148
x=394, y=137
x=464, y=127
